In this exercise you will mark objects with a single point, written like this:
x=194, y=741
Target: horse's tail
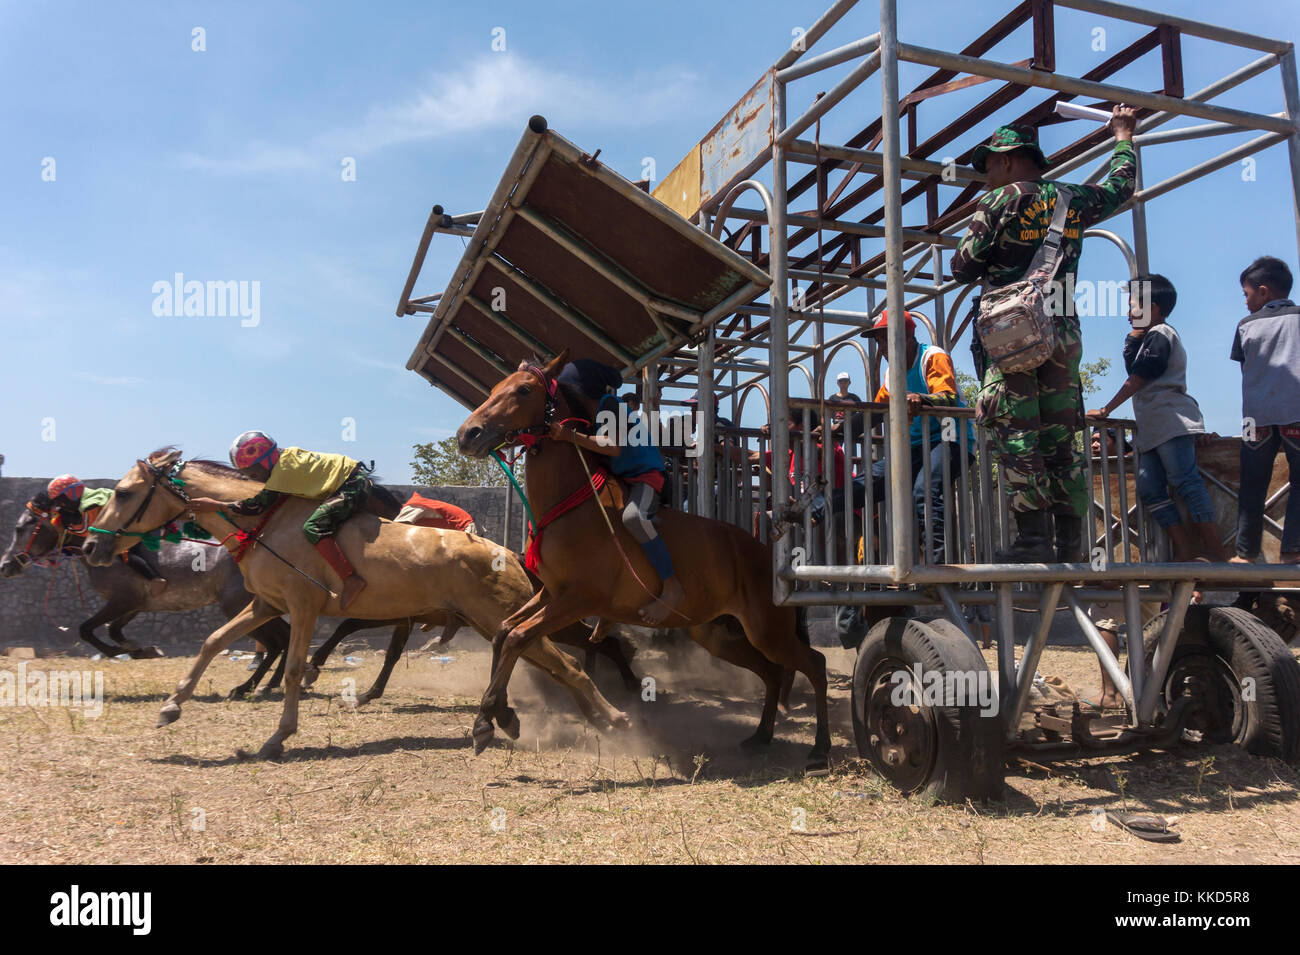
x=384, y=503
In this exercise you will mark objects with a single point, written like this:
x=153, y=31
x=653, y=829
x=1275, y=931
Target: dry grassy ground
x=397, y=781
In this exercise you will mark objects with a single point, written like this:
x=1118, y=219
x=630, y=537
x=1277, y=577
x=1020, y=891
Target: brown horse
x=585, y=569
x=422, y=573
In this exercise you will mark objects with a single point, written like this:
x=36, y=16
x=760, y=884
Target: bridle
x=24, y=557
x=528, y=436
x=160, y=477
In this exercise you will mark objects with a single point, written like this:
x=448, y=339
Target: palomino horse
x=197, y=576
x=421, y=573
x=587, y=571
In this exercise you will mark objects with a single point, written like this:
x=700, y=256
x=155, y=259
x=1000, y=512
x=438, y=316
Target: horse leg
x=115, y=628
x=302, y=624
x=257, y=611
x=613, y=649
x=344, y=629
x=500, y=702
x=507, y=647
x=273, y=639
x=775, y=636
x=401, y=633
x=563, y=669
x=736, y=650
x=107, y=613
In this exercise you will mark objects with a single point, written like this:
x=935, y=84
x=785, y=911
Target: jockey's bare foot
x=157, y=586
x=352, y=586
x=657, y=610
x=1238, y=559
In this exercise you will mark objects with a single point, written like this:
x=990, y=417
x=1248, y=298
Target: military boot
x=1069, y=538
x=1033, y=543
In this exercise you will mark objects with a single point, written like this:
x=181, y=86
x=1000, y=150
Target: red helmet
x=254, y=447
x=65, y=485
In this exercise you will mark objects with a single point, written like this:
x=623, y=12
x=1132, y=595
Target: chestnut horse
x=587, y=571
x=422, y=573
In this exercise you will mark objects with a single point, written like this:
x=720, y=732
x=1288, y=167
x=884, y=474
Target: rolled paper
x=1073, y=111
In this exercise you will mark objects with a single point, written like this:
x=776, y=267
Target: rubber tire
x=1270, y=724
x=968, y=762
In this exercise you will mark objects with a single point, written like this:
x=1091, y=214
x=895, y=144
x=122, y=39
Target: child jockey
x=76, y=507
x=638, y=464
x=336, y=480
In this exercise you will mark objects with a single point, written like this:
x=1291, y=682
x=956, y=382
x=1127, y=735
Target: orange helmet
x=65, y=485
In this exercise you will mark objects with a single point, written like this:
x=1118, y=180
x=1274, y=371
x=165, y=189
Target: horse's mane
x=206, y=465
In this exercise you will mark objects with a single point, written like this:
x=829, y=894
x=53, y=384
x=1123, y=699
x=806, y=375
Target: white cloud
x=496, y=91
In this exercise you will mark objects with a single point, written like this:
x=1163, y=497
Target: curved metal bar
x=812, y=394
x=744, y=394
x=830, y=357
x=735, y=193
x=952, y=312
x=1129, y=255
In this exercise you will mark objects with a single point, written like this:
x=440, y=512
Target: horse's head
x=34, y=536
x=517, y=406
x=144, y=500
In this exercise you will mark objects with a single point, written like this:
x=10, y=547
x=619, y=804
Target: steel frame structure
x=757, y=347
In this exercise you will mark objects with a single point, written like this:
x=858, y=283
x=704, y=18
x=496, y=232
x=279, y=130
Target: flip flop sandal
x=1144, y=825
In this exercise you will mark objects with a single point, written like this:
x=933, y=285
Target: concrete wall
x=42, y=608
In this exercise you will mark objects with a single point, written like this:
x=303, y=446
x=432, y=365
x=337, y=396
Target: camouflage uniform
x=1032, y=416
x=349, y=499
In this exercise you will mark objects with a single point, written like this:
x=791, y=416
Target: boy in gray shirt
x=1267, y=344
x=1168, y=420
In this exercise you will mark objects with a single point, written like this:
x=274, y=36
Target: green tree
x=440, y=464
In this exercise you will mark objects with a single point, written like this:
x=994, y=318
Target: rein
x=590, y=489
x=246, y=540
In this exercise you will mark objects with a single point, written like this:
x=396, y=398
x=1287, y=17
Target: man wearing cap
x=1033, y=416
x=931, y=383
x=842, y=396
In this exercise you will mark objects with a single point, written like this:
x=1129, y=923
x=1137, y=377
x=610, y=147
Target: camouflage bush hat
x=1007, y=138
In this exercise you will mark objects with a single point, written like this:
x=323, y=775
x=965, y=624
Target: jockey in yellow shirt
x=339, y=482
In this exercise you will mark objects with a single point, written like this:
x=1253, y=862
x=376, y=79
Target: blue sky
x=225, y=165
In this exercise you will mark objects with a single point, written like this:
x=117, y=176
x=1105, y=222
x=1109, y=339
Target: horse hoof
x=620, y=722
x=271, y=751
x=482, y=735
x=759, y=740
x=509, y=723
x=309, y=675
x=145, y=653
x=818, y=765
x=238, y=693
x=363, y=699
x=170, y=713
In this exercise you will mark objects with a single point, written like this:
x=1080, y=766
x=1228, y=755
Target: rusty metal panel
x=652, y=253
x=680, y=189
x=743, y=135
x=578, y=258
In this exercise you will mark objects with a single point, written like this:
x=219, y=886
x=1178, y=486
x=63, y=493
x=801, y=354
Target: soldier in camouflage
x=1033, y=416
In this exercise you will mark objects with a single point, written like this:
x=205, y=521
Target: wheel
x=1244, y=682
x=930, y=737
